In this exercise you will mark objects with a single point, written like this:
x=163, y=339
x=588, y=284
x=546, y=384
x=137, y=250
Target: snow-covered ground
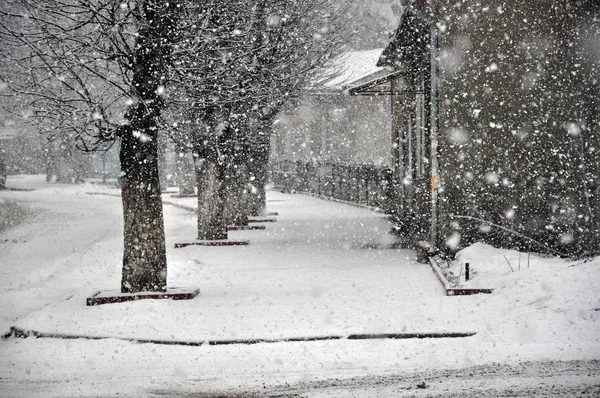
x=322, y=269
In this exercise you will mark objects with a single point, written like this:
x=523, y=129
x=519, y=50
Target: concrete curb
x=17, y=332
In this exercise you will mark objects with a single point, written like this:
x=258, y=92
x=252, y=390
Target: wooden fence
x=364, y=184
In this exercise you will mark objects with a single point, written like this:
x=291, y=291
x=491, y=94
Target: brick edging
x=97, y=299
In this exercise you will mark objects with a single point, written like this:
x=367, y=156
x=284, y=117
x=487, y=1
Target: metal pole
x=435, y=178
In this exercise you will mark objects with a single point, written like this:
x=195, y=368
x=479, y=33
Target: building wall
x=335, y=128
x=519, y=119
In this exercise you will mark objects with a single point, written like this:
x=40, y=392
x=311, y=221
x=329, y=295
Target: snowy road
x=60, y=241
x=527, y=379
x=11, y=214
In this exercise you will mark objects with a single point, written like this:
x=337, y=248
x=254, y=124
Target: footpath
x=321, y=270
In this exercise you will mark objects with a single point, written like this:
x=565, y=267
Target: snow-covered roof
x=352, y=69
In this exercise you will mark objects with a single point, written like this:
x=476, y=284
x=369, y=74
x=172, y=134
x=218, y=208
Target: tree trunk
x=64, y=165
x=258, y=194
x=234, y=149
x=210, y=176
x=236, y=201
x=144, y=256
x=185, y=174
x=260, y=149
x=162, y=164
x=103, y=157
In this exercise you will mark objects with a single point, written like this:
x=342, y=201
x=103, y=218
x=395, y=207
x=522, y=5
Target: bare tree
x=238, y=67
x=96, y=71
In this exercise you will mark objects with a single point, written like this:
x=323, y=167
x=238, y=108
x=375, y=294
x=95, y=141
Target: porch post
x=435, y=178
x=398, y=101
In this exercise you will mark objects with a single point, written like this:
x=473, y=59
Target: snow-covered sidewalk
x=322, y=269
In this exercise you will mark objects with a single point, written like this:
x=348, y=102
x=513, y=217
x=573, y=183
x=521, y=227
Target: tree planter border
x=17, y=189
x=258, y=219
x=454, y=291
x=246, y=227
x=213, y=243
x=114, y=296
x=467, y=292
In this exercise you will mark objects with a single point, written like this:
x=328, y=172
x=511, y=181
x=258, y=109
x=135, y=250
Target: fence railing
x=364, y=184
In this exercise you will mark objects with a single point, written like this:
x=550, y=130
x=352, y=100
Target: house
x=487, y=115
x=495, y=123
x=327, y=124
